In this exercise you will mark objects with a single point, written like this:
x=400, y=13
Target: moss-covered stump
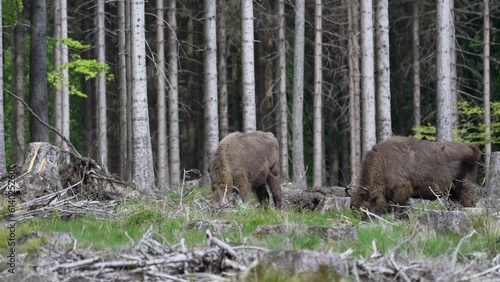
x=323, y=199
x=302, y=262
x=446, y=221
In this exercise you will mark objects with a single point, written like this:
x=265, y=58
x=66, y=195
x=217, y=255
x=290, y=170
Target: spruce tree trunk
x=283, y=106
x=384, y=122
x=416, y=63
x=211, y=104
x=122, y=94
x=173, y=58
x=367, y=77
x=142, y=161
x=102, y=132
x=486, y=82
x=444, y=93
x=299, y=174
x=38, y=72
x=162, y=151
x=248, y=66
x=318, y=103
x=354, y=89
x=222, y=70
x=18, y=77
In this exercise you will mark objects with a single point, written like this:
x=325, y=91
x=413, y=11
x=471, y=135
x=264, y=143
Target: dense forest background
x=190, y=42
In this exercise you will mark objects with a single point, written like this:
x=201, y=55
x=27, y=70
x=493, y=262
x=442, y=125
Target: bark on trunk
x=493, y=181
x=173, y=122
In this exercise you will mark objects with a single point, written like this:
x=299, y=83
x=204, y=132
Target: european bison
x=402, y=167
x=246, y=162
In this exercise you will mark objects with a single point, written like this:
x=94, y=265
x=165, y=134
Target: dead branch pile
x=394, y=267
x=151, y=260
x=66, y=204
x=147, y=260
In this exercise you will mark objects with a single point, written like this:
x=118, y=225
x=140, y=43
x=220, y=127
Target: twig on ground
x=213, y=241
x=370, y=214
x=457, y=249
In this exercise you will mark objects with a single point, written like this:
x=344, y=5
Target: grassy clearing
x=169, y=218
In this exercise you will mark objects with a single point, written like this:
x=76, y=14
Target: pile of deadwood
x=55, y=180
x=151, y=260
x=52, y=180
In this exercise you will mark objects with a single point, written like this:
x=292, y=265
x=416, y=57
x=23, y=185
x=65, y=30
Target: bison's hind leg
x=262, y=195
x=465, y=193
x=274, y=182
x=400, y=198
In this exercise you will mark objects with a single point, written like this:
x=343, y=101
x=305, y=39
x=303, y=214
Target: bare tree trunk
x=299, y=174
x=38, y=72
x=65, y=75
x=486, y=83
x=367, y=77
x=128, y=58
x=222, y=71
x=210, y=64
x=384, y=122
x=283, y=106
x=142, y=163
x=416, y=63
x=453, y=70
x=318, y=103
x=122, y=94
x=173, y=57
x=443, y=89
x=102, y=135
x=57, y=66
x=354, y=89
x=18, y=77
x=248, y=66
x=162, y=157
x=3, y=167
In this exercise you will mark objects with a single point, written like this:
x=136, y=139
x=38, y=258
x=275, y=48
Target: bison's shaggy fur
x=246, y=162
x=402, y=167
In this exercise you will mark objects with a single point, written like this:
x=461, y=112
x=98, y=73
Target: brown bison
x=402, y=167
x=246, y=162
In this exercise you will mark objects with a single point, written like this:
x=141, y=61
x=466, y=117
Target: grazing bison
x=246, y=162
x=403, y=167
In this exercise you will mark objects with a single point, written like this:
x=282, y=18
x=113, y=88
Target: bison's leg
x=242, y=186
x=221, y=194
x=262, y=195
x=274, y=182
x=465, y=193
x=400, y=198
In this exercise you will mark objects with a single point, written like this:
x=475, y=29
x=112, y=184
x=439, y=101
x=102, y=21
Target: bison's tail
x=475, y=155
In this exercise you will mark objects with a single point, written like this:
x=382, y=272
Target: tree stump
x=493, y=181
x=447, y=221
x=42, y=160
x=304, y=261
x=40, y=172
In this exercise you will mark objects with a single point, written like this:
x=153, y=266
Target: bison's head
x=363, y=197
x=359, y=198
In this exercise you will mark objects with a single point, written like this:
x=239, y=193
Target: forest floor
x=177, y=235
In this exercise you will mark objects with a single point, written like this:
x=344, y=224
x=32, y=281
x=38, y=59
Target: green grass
x=170, y=221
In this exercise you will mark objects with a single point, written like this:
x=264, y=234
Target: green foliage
x=10, y=9
x=471, y=125
x=74, y=44
x=88, y=68
x=427, y=132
